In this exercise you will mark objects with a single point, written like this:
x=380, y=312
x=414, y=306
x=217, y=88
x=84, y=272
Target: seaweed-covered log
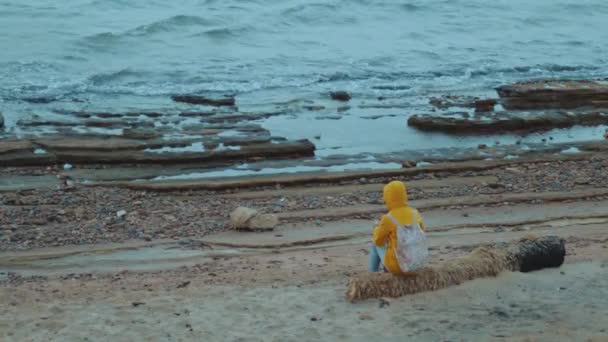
x=535, y=254
x=526, y=255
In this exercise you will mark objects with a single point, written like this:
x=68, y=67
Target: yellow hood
x=395, y=195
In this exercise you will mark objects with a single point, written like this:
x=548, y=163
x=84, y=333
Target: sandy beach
x=198, y=281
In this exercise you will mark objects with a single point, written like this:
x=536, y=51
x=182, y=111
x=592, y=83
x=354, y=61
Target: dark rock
x=201, y=100
x=383, y=303
x=546, y=94
x=136, y=304
x=482, y=146
x=340, y=95
x=1, y=120
x=183, y=285
x=108, y=115
x=39, y=100
x=485, y=105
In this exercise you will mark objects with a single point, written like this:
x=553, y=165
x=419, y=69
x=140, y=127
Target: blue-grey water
x=135, y=53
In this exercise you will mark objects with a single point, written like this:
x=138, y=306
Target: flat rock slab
x=108, y=143
x=496, y=123
x=123, y=151
x=554, y=94
x=13, y=183
x=12, y=146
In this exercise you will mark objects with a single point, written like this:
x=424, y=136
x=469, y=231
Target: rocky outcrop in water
x=554, y=94
x=506, y=122
x=40, y=99
x=202, y=100
x=340, y=95
x=1, y=121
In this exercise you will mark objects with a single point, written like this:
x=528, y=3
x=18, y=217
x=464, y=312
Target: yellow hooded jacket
x=395, y=198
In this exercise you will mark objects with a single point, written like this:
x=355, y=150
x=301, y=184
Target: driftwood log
x=527, y=255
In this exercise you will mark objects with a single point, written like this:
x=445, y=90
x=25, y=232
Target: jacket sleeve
x=420, y=221
x=381, y=232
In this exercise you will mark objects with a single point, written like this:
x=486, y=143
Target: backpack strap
x=414, y=224
x=394, y=220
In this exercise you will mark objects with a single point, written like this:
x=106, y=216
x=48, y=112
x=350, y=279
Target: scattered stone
x=340, y=95
x=243, y=218
x=240, y=217
x=183, y=285
x=68, y=166
x=499, y=312
x=406, y=164
x=201, y=100
x=315, y=318
x=366, y=317
x=383, y=302
x=136, y=304
x=121, y=213
x=482, y=146
x=264, y=222
x=582, y=181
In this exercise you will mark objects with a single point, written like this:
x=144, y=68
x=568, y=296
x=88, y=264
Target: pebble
x=382, y=302
x=121, y=213
x=67, y=166
x=366, y=317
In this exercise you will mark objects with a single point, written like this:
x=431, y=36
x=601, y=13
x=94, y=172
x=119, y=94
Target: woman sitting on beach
x=384, y=249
